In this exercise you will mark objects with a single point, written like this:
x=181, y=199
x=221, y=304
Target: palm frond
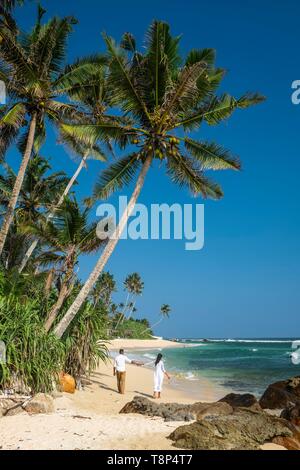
x=162, y=59
x=208, y=56
x=211, y=156
x=88, y=134
x=218, y=109
x=184, y=92
x=78, y=74
x=184, y=172
x=125, y=91
x=116, y=176
x=128, y=42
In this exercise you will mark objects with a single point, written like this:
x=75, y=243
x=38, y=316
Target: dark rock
x=214, y=409
x=281, y=394
x=244, y=429
x=292, y=414
x=168, y=411
x=245, y=400
x=290, y=443
x=175, y=411
x=15, y=410
x=11, y=406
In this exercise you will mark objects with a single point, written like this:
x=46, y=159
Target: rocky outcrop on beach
x=39, y=403
x=10, y=406
x=290, y=443
x=176, y=411
x=245, y=400
x=292, y=414
x=244, y=429
x=281, y=394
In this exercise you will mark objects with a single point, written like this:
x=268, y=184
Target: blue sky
x=245, y=282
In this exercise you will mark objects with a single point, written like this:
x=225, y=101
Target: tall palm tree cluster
x=134, y=106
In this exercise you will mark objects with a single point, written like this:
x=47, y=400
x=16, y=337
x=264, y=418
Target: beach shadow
x=106, y=387
x=147, y=395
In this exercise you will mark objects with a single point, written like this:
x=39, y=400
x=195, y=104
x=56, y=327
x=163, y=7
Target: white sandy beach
x=90, y=418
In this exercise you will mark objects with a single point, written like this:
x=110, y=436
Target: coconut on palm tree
x=66, y=236
x=164, y=98
x=33, y=70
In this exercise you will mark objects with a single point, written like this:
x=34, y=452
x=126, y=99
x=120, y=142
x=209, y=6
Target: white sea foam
x=190, y=376
x=149, y=356
x=249, y=341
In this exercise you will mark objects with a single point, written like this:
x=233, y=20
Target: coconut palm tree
x=103, y=289
x=67, y=235
x=38, y=191
x=81, y=152
x=32, y=68
x=165, y=98
x=134, y=286
x=165, y=310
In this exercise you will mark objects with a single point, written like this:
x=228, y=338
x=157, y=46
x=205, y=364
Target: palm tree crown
x=165, y=98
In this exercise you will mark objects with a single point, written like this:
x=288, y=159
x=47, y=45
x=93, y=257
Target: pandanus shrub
x=33, y=357
x=84, y=349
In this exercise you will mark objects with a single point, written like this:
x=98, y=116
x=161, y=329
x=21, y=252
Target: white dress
x=159, y=376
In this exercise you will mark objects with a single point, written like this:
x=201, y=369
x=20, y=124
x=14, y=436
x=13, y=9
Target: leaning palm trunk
x=63, y=294
x=130, y=315
x=81, y=297
x=61, y=200
x=18, y=184
x=122, y=316
x=152, y=326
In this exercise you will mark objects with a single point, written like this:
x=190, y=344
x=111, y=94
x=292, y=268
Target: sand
x=90, y=418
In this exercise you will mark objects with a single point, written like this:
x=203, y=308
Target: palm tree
x=38, y=191
x=165, y=310
x=103, y=289
x=36, y=196
x=84, y=153
x=164, y=99
x=32, y=68
x=134, y=285
x=67, y=235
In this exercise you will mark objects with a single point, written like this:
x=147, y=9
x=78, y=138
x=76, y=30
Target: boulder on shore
x=10, y=406
x=292, y=414
x=290, y=443
x=39, y=403
x=281, y=394
x=244, y=429
x=244, y=400
x=175, y=411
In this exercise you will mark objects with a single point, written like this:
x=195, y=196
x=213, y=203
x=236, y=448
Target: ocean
x=239, y=365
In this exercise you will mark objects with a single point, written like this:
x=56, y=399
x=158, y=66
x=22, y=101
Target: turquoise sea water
x=242, y=365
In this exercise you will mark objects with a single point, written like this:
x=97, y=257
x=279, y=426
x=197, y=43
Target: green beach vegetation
x=149, y=99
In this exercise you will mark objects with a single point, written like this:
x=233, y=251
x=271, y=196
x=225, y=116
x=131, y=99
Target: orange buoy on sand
x=67, y=383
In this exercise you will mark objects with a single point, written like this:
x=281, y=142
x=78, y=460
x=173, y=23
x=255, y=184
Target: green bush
x=33, y=357
x=134, y=329
x=85, y=341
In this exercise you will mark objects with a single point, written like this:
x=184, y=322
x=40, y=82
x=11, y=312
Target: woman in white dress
x=159, y=374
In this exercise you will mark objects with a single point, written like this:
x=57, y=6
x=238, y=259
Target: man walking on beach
x=120, y=369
